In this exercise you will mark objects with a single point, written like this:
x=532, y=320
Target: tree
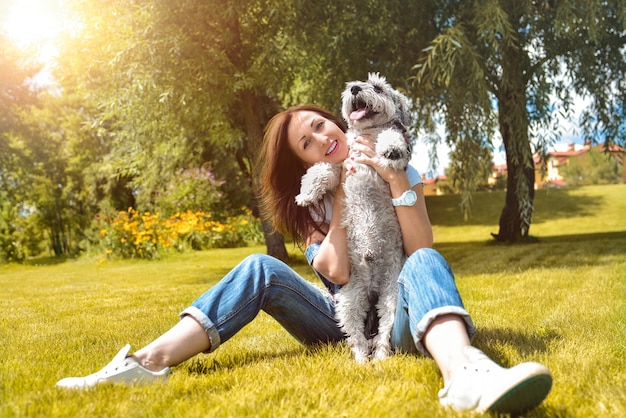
x=16, y=99
x=184, y=84
x=511, y=64
x=178, y=86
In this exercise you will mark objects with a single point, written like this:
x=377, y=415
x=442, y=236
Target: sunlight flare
x=32, y=22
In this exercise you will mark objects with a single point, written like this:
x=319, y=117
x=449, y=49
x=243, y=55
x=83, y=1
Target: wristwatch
x=408, y=198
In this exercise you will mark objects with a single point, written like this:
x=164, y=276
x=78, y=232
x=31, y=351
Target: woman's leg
x=263, y=283
x=430, y=314
x=445, y=340
x=183, y=341
x=259, y=282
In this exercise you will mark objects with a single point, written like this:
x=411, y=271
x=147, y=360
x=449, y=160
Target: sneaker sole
x=523, y=397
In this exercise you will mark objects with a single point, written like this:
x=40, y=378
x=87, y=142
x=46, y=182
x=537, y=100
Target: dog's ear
x=403, y=108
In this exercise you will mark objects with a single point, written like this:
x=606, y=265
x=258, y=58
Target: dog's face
x=373, y=103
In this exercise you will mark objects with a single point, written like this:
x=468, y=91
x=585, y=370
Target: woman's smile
x=332, y=148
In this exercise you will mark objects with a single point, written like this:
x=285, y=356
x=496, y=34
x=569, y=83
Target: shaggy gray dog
x=374, y=238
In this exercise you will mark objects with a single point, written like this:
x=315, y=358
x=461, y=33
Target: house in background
x=431, y=187
x=497, y=175
x=561, y=156
x=556, y=159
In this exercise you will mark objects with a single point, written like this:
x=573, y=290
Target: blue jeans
x=426, y=290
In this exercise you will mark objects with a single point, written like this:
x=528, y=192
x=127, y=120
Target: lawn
x=561, y=301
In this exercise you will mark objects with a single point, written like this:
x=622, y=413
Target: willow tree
x=338, y=42
x=513, y=66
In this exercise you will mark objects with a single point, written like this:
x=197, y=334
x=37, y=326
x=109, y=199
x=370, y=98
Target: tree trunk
x=274, y=241
x=254, y=123
x=513, y=117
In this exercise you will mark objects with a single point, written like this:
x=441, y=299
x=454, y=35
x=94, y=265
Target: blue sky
x=569, y=134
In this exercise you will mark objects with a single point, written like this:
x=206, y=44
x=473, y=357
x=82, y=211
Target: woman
x=430, y=317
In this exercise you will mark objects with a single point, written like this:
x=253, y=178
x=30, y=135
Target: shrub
x=130, y=234
x=191, y=189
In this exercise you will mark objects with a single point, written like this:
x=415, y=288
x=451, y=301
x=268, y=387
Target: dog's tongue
x=358, y=114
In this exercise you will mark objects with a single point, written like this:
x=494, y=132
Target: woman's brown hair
x=280, y=173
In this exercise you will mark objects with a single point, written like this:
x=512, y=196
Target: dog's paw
x=319, y=179
x=361, y=356
x=351, y=138
x=393, y=149
x=381, y=353
x=307, y=199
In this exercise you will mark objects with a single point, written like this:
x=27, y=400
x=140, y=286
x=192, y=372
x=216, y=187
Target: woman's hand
x=363, y=150
x=414, y=222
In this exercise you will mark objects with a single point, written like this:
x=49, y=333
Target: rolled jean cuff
x=205, y=322
x=311, y=251
x=433, y=314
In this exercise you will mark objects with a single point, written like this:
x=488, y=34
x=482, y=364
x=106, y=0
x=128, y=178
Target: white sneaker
x=481, y=385
x=122, y=369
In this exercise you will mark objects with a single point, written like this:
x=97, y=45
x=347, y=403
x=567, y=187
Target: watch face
x=408, y=198
x=411, y=197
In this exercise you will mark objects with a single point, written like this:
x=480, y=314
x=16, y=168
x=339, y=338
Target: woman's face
x=313, y=139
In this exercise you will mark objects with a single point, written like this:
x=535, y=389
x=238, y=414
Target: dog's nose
x=355, y=90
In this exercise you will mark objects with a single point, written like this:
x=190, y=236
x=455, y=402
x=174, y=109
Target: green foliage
x=522, y=60
x=334, y=42
x=593, y=167
x=192, y=189
x=11, y=248
x=470, y=167
x=16, y=100
x=20, y=234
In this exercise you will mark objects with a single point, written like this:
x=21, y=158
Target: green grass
x=561, y=301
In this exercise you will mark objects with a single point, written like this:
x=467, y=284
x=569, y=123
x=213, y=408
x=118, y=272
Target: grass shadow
x=207, y=365
x=47, y=261
x=594, y=236
x=558, y=251
x=487, y=207
x=490, y=340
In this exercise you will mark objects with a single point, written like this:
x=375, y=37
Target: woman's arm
x=331, y=260
x=414, y=222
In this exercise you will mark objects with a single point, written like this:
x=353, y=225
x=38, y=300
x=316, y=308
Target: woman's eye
x=320, y=125
x=306, y=143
